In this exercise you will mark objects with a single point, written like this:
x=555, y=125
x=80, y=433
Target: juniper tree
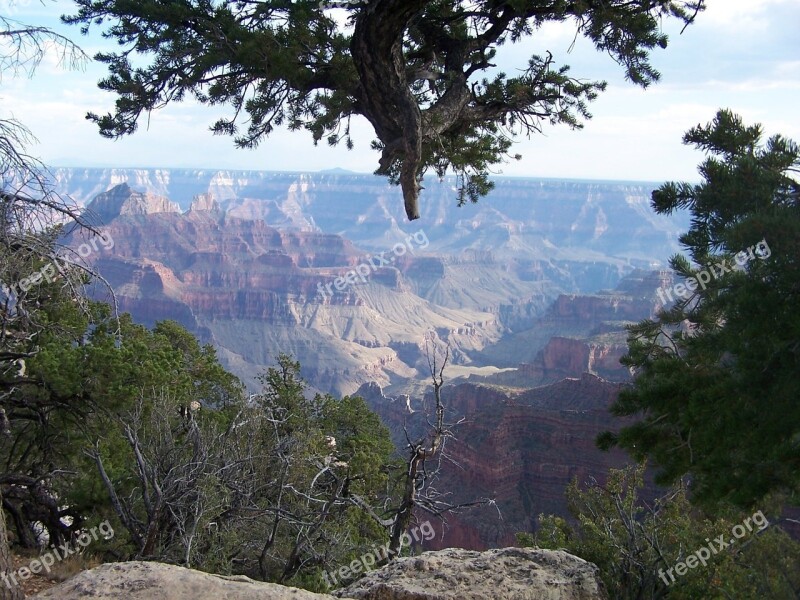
x=421, y=72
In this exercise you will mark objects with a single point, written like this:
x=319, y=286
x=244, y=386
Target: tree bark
x=386, y=99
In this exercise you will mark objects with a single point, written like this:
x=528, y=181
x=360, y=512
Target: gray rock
x=156, y=581
x=452, y=574
x=503, y=574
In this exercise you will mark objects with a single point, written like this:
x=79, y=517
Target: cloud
x=739, y=15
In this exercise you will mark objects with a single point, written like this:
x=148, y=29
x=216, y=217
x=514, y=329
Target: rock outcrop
x=503, y=574
x=204, y=202
x=579, y=333
x=569, y=357
x=123, y=201
x=138, y=580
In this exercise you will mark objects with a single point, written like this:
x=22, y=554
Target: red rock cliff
x=520, y=449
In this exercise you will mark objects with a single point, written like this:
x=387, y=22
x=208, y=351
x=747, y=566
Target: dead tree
x=422, y=466
x=420, y=451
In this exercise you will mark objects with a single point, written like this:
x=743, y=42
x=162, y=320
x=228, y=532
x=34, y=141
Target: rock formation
x=139, y=580
x=254, y=290
x=564, y=357
x=123, y=201
x=204, y=202
x=578, y=333
x=262, y=252
x=519, y=447
x=505, y=574
x=590, y=225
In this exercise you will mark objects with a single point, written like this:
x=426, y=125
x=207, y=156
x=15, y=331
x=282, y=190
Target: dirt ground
x=39, y=582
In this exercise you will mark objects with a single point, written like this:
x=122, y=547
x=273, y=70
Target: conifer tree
x=421, y=72
x=718, y=373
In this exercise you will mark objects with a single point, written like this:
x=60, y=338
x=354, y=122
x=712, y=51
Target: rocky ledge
x=451, y=574
x=138, y=580
x=500, y=574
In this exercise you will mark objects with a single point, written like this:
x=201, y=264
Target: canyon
x=530, y=292
x=248, y=261
x=517, y=448
x=520, y=436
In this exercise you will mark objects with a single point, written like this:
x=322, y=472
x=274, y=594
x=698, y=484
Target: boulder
x=451, y=574
x=138, y=580
x=501, y=574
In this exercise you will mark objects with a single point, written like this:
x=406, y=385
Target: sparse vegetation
x=635, y=543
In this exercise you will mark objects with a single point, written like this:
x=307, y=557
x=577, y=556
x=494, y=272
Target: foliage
x=30, y=212
x=420, y=72
x=635, y=543
x=716, y=374
x=146, y=428
x=264, y=487
x=86, y=368
x=111, y=420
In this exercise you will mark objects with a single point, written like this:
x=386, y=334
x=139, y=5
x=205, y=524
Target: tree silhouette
x=421, y=72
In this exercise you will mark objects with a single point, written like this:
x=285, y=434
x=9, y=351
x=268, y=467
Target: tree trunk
x=389, y=105
x=9, y=588
x=406, y=509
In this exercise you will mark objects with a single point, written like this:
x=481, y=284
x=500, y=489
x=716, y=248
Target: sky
x=740, y=54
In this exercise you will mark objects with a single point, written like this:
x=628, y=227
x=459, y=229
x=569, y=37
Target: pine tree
x=718, y=374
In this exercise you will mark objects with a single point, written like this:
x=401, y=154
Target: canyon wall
x=519, y=449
